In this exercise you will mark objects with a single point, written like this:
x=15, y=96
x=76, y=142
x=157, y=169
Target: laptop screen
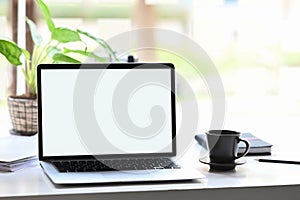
x=123, y=109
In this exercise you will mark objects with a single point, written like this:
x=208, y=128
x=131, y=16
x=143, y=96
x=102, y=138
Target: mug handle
x=246, y=150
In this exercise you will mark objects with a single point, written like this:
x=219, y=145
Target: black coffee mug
x=223, y=146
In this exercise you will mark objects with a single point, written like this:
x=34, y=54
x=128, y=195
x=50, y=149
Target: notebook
x=17, y=152
x=257, y=145
x=109, y=122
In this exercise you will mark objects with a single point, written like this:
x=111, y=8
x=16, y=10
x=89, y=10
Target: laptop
x=108, y=123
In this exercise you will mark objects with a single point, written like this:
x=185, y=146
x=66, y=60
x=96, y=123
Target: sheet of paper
x=13, y=148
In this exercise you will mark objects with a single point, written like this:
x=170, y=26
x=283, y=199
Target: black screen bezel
x=106, y=66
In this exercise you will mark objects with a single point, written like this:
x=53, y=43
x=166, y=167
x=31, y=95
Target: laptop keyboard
x=114, y=165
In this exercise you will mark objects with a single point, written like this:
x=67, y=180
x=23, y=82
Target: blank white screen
x=63, y=134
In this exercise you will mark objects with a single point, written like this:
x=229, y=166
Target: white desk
x=250, y=181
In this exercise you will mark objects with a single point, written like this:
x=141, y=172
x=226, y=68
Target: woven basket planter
x=24, y=115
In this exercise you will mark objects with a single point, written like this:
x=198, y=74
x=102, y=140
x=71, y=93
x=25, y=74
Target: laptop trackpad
x=129, y=175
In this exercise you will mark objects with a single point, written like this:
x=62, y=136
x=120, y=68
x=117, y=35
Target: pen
x=279, y=161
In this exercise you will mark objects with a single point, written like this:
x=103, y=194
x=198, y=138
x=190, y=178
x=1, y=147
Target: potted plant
x=23, y=109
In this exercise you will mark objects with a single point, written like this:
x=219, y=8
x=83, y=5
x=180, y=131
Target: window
x=254, y=44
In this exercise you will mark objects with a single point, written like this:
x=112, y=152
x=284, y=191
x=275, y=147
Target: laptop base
x=119, y=176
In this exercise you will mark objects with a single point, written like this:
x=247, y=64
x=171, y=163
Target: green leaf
x=35, y=35
x=46, y=13
x=85, y=53
x=101, y=42
x=59, y=57
x=65, y=35
x=11, y=52
x=52, y=50
x=26, y=53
